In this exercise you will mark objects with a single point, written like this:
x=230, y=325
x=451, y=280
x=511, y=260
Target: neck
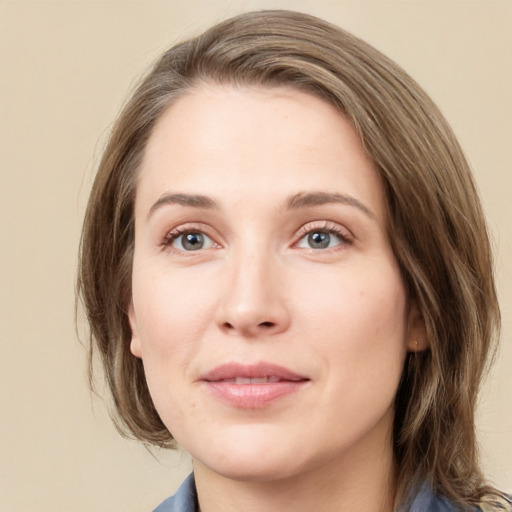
x=361, y=481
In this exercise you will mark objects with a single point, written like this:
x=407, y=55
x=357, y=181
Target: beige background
x=65, y=67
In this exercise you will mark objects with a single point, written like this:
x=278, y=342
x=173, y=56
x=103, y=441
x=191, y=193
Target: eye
x=319, y=240
x=322, y=238
x=189, y=240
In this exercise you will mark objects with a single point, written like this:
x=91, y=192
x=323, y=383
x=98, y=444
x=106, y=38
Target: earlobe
x=135, y=347
x=416, y=339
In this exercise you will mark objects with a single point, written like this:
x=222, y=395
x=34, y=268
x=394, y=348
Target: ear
x=135, y=345
x=416, y=337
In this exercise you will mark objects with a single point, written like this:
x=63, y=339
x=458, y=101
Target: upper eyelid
x=189, y=227
x=324, y=225
x=186, y=227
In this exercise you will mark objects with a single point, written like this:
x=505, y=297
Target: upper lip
x=256, y=370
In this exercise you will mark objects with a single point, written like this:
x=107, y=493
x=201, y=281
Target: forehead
x=227, y=141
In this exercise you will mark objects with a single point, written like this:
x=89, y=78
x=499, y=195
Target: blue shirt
x=185, y=500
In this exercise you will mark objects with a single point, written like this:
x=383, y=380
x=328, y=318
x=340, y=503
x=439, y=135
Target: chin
x=256, y=458
x=247, y=473
x=248, y=470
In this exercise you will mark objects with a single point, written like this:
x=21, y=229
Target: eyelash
x=307, y=229
x=325, y=227
x=175, y=233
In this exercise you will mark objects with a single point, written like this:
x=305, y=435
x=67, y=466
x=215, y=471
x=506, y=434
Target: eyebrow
x=192, y=200
x=294, y=202
x=310, y=199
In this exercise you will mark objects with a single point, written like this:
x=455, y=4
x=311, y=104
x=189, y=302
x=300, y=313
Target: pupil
x=193, y=241
x=319, y=240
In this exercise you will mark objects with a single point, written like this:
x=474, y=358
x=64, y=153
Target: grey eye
x=192, y=241
x=319, y=239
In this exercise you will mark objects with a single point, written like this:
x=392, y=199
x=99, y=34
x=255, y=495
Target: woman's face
x=268, y=307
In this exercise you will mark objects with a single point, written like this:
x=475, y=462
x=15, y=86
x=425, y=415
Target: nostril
x=248, y=328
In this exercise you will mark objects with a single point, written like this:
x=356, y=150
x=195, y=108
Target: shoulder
x=497, y=503
x=428, y=500
x=185, y=499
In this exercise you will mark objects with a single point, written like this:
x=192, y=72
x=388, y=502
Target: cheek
x=172, y=309
x=362, y=346
x=353, y=301
x=172, y=314
x=356, y=321
x=168, y=328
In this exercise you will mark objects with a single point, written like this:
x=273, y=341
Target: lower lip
x=253, y=396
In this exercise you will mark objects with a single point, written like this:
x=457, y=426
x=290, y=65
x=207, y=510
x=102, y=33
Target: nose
x=254, y=303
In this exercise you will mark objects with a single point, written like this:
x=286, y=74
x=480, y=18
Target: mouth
x=252, y=386
x=242, y=381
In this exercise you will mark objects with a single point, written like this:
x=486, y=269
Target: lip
x=252, y=386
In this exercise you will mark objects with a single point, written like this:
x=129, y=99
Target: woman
x=286, y=270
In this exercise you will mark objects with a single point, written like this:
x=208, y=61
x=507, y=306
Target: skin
x=258, y=291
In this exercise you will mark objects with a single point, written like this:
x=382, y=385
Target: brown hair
x=437, y=229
